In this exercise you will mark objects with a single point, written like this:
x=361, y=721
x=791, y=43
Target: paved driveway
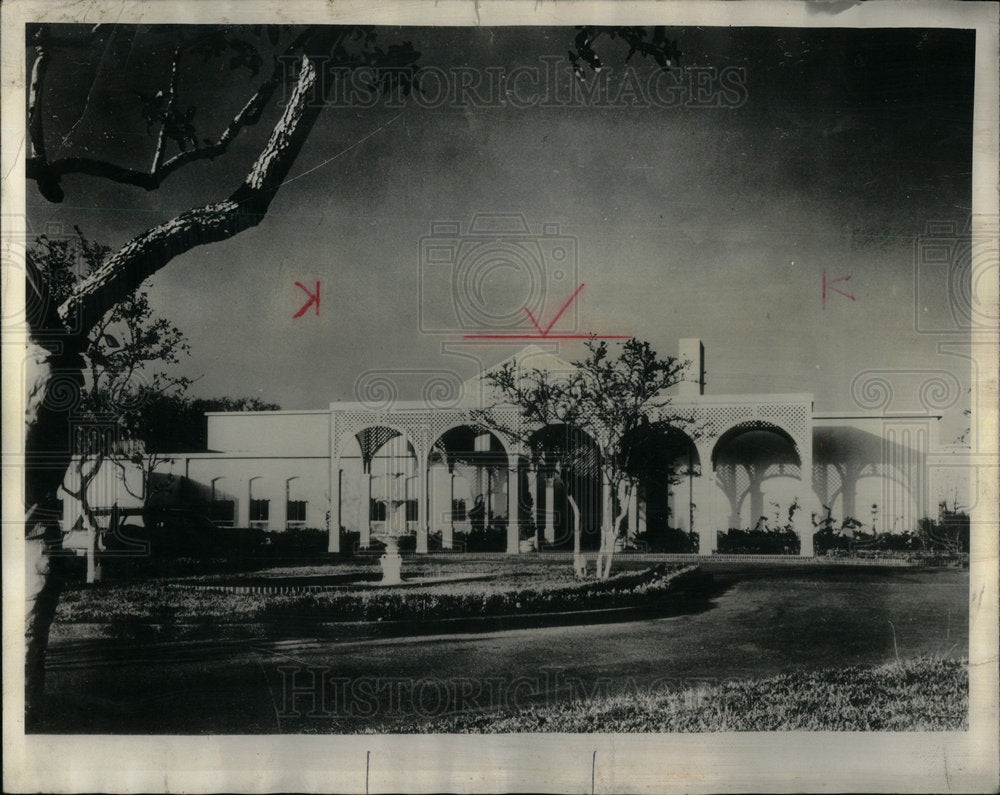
x=763, y=621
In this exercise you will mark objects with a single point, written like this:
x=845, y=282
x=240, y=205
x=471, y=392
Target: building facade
x=756, y=460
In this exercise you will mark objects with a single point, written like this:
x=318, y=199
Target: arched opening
x=469, y=483
x=665, y=462
x=379, y=467
x=758, y=468
x=566, y=463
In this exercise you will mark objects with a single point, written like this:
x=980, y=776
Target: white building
x=757, y=454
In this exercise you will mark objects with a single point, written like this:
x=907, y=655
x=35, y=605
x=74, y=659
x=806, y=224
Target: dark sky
x=834, y=152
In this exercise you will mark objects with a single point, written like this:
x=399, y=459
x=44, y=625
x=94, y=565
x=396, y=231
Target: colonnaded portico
x=748, y=448
x=738, y=461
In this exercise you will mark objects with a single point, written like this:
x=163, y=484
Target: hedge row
x=377, y=604
x=158, y=602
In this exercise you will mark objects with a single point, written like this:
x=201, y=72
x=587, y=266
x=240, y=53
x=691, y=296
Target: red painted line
x=535, y=322
x=546, y=336
x=559, y=315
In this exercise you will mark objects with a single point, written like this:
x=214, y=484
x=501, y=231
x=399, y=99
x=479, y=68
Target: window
x=223, y=513
x=458, y=510
x=411, y=510
x=259, y=513
x=377, y=511
x=295, y=514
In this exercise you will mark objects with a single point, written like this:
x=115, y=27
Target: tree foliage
x=614, y=398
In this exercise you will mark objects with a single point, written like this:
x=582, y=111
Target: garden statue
x=393, y=529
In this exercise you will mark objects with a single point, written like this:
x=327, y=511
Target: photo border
x=708, y=762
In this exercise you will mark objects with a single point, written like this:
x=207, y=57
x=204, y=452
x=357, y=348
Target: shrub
x=667, y=539
x=759, y=542
x=492, y=538
x=124, y=605
x=296, y=542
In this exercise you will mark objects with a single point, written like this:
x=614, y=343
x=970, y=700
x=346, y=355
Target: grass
x=923, y=694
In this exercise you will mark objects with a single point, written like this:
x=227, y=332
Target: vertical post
x=533, y=491
x=802, y=521
x=336, y=484
x=633, y=511
x=243, y=509
x=550, y=514
x=364, y=518
x=708, y=540
x=448, y=531
x=642, y=513
x=513, y=506
x=422, y=479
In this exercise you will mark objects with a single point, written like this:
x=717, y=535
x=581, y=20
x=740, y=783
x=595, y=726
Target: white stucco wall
x=287, y=433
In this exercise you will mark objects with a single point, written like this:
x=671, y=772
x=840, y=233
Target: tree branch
x=161, y=138
x=36, y=132
x=43, y=172
x=143, y=256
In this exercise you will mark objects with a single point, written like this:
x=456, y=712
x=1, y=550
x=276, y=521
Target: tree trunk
x=579, y=564
x=53, y=390
x=610, y=543
x=93, y=527
x=45, y=576
x=57, y=368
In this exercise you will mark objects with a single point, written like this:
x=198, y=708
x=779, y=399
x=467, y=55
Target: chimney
x=692, y=381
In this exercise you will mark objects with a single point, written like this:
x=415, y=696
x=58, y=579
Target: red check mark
x=559, y=314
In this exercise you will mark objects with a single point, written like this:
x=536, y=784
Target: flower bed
x=162, y=602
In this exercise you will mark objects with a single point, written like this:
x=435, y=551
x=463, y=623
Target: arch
x=370, y=443
x=469, y=484
x=666, y=461
x=574, y=470
x=749, y=455
x=508, y=445
x=748, y=426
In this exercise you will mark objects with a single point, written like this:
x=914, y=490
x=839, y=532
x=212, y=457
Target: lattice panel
x=827, y=481
x=423, y=428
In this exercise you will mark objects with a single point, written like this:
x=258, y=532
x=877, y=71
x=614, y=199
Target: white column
x=701, y=488
x=513, y=507
x=365, y=513
x=633, y=511
x=243, y=508
x=533, y=491
x=550, y=514
x=607, y=505
x=803, y=527
x=333, y=535
x=422, y=509
x=802, y=521
x=642, y=512
x=448, y=530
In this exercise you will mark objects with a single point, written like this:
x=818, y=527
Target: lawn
x=924, y=694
